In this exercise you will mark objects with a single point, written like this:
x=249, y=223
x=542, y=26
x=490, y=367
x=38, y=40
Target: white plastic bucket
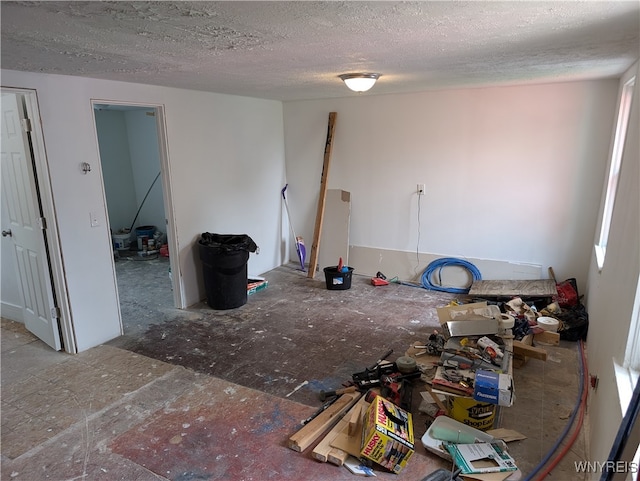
x=121, y=242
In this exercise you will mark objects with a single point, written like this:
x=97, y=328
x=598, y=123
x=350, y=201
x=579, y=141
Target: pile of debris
x=466, y=366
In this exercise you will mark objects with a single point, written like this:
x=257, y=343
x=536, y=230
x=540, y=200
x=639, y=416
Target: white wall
x=226, y=158
x=510, y=172
x=116, y=168
x=611, y=292
x=145, y=161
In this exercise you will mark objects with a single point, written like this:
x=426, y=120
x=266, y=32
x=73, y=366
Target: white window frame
x=624, y=110
x=628, y=372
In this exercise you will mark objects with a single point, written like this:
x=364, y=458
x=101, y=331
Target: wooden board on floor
x=522, y=350
x=547, y=337
x=529, y=351
x=336, y=446
x=307, y=435
x=514, y=288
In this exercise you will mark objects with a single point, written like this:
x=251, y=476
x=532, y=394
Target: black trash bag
x=229, y=242
x=573, y=315
x=575, y=323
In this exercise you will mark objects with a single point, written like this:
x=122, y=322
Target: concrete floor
x=204, y=394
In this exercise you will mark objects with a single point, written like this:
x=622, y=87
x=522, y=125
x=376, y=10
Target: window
x=632, y=354
x=614, y=170
x=627, y=373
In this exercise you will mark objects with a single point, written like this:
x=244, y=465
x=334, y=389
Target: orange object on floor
x=377, y=281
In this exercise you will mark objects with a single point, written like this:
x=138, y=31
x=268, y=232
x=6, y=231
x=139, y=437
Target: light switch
x=94, y=219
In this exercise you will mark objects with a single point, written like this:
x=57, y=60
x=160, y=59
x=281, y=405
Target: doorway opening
x=132, y=160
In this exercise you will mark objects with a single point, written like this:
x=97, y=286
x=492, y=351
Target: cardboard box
x=467, y=312
x=387, y=435
x=255, y=285
x=477, y=318
x=494, y=388
x=480, y=458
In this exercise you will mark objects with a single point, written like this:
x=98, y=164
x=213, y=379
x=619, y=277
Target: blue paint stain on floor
x=191, y=476
x=272, y=421
x=327, y=384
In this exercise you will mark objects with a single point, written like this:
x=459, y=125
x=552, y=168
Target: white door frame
x=165, y=169
x=51, y=233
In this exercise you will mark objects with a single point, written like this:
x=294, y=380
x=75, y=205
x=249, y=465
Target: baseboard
x=409, y=266
x=11, y=312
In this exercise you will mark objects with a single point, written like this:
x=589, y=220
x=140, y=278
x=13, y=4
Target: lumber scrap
x=547, y=337
x=526, y=350
x=354, y=419
x=311, y=431
x=336, y=446
x=437, y=400
x=322, y=200
x=337, y=456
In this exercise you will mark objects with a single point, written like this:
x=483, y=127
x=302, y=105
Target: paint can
x=145, y=230
x=142, y=242
x=476, y=414
x=121, y=242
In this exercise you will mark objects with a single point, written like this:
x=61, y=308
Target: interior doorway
x=131, y=159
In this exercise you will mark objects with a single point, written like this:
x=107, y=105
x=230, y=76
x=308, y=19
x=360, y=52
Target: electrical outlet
x=94, y=219
x=421, y=189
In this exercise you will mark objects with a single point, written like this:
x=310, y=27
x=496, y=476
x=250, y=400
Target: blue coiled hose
x=438, y=265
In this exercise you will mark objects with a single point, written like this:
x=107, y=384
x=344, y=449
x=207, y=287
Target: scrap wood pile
x=365, y=421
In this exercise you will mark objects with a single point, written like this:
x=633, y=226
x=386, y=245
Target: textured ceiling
x=296, y=50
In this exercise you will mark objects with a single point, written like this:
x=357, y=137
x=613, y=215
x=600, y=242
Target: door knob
x=6, y=233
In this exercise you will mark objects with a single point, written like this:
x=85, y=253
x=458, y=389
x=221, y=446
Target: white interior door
x=23, y=226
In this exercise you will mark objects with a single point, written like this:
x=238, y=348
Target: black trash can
x=224, y=263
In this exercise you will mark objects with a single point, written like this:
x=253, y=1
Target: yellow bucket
x=473, y=413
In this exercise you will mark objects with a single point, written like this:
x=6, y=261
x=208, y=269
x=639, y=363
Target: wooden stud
x=337, y=456
x=315, y=246
x=336, y=446
x=547, y=337
x=311, y=431
x=525, y=350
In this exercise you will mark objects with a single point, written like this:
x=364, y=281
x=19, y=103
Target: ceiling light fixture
x=359, y=82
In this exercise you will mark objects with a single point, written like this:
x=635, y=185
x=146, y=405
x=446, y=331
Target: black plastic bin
x=338, y=280
x=224, y=267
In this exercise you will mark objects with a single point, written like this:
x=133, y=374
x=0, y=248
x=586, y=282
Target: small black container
x=338, y=281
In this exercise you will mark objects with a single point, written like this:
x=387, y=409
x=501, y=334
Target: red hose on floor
x=583, y=406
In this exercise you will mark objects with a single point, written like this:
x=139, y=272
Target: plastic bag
x=229, y=242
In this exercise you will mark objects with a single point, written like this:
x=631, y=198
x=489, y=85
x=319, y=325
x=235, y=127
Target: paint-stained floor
x=294, y=331
x=205, y=394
